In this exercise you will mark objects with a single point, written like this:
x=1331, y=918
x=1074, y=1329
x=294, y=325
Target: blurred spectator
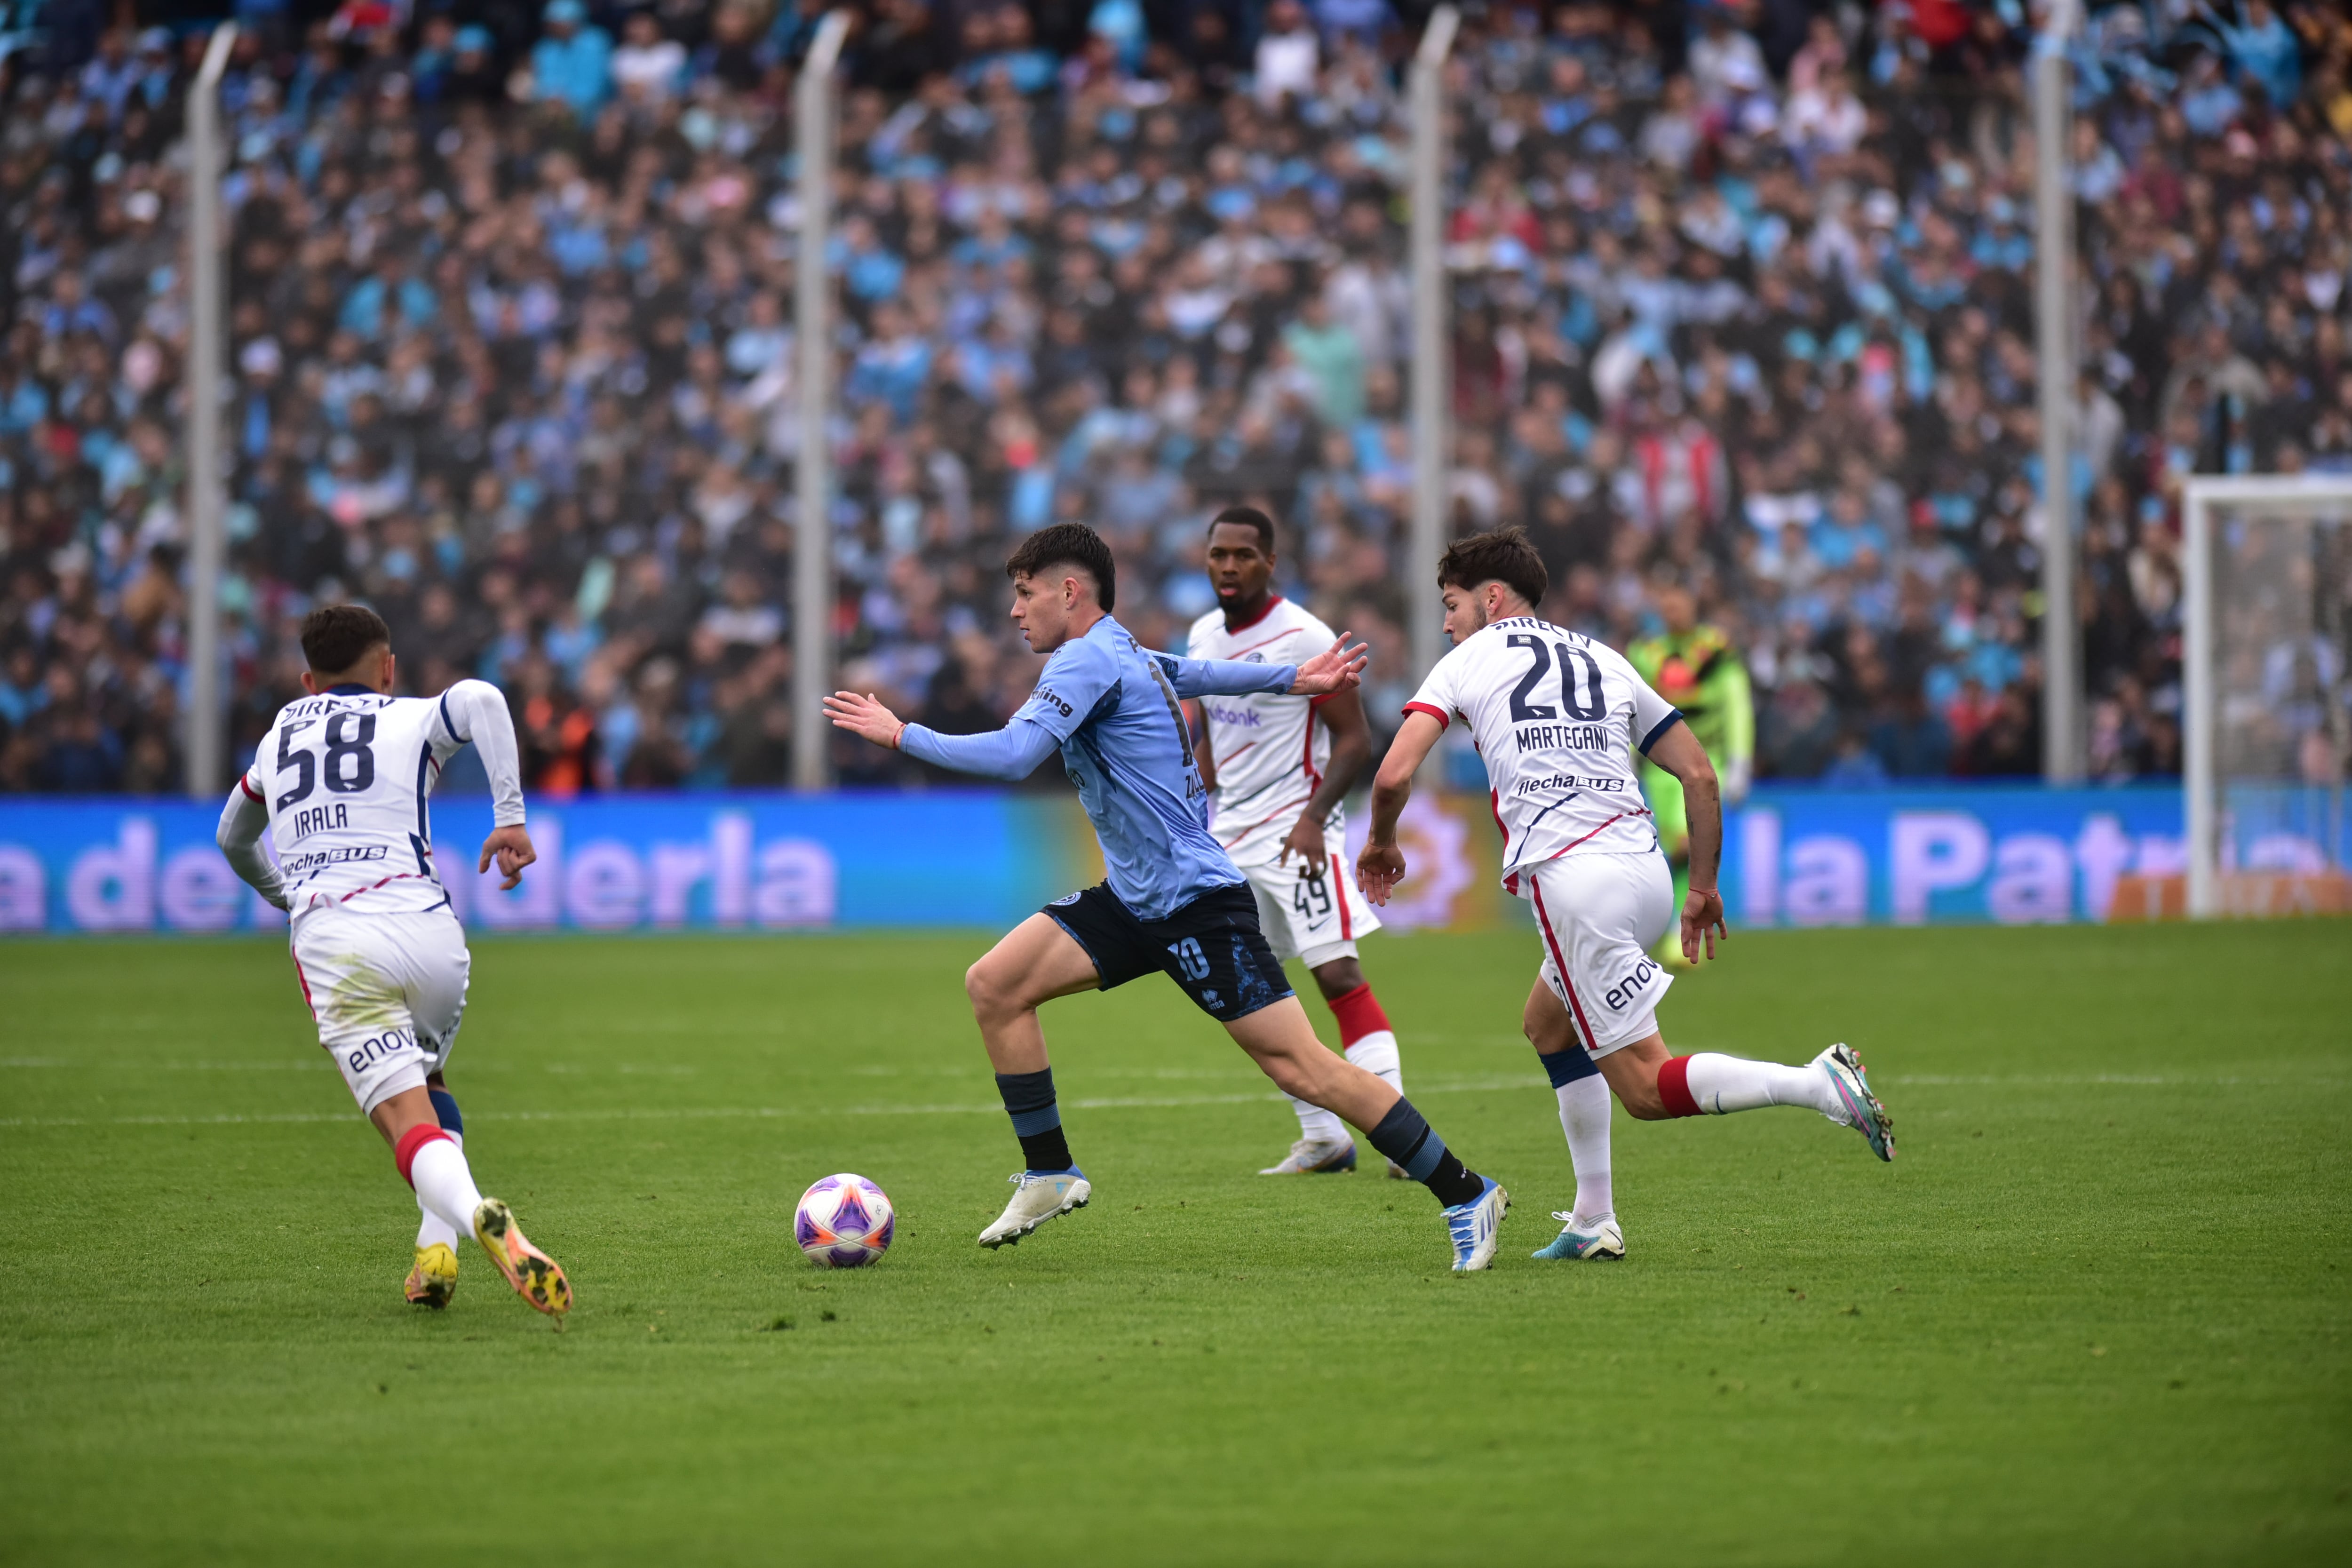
x=572, y=62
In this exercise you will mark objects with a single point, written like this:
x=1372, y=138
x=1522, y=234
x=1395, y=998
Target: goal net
x=2267, y=688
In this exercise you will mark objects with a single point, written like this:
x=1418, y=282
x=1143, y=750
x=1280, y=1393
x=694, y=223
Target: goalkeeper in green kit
x=1695, y=668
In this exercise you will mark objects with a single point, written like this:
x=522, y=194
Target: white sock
x=1723, y=1084
x=444, y=1185
x=431, y=1227
x=1318, y=1125
x=1584, y=1117
x=1376, y=1053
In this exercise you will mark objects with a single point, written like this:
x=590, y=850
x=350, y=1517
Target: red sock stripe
x=1359, y=1014
x=404, y=1153
x=1673, y=1086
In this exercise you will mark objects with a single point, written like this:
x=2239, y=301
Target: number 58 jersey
x=1556, y=718
x=346, y=776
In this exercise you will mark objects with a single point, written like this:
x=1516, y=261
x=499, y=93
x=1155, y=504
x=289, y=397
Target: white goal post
x=2293, y=588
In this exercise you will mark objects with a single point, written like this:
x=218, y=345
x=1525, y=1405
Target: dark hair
x=1505, y=556
x=1248, y=517
x=334, y=636
x=1068, y=544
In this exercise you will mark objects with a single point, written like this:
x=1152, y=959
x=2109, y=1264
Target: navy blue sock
x=1407, y=1138
x=1565, y=1067
x=1036, y=1120
x=445, y=1111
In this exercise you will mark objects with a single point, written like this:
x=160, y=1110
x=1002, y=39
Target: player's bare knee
x=990, y=991
x=1338, y=977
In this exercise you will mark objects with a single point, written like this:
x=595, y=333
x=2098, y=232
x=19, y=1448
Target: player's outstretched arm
x=1336, y=668
x=1380, y=866
x=1009, y=754
x=866, y=717
x=243, y=821
x=1678, y=751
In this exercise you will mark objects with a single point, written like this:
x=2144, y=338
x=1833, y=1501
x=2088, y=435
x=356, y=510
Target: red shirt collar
x=1264, y=611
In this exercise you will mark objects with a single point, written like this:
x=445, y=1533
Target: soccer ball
x=844, y=1222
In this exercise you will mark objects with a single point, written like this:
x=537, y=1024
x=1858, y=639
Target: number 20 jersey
x=346, y=775
x=1556, y=718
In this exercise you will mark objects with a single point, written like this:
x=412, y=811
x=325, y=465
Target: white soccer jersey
x=345, y=777
x=1270, y=753
x=1556, y=718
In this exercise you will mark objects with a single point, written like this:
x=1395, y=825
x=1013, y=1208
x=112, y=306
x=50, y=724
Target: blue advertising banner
x=667, y=862
x=2013, y=855
x=1795, y=856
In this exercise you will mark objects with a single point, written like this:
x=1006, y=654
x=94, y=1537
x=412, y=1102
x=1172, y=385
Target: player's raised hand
x=1336, y=668
x=511, y=846
x=1379, y=869
x=1702, y=922
x=865, y=715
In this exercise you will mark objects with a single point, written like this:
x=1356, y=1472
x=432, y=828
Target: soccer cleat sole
x=536, y=1276
x=1029, y=1228
x=1870, y=1118
x=429, y=1284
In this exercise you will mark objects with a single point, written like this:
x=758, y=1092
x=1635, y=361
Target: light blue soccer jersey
x=1112, y=707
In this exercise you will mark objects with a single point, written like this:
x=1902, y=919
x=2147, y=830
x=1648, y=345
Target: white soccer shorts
x=387, y=990
x=1599, y=916
x=1313, y=919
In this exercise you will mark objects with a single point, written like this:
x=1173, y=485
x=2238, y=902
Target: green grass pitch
x=2096, y=1312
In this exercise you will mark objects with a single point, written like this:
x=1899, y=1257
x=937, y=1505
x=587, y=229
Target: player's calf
x=430, y=1161
x=1583, y=1096
x=433, y=1277
x=1656, y=1087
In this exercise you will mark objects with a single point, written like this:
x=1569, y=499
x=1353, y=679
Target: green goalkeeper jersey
x=1698, y=673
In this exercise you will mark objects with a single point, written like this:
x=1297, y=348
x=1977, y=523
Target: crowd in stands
x=1743, y=299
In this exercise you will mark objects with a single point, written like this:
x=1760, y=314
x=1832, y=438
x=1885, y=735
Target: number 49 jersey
x=1557, y=717
x=346, y=776
x=1269, y=751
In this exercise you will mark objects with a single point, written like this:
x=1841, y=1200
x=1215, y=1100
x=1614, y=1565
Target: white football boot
x=1310, y=1157
x=1472, y=1226
x=1037, y=1197
x=1862, y=1111
x=1599, y=1240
